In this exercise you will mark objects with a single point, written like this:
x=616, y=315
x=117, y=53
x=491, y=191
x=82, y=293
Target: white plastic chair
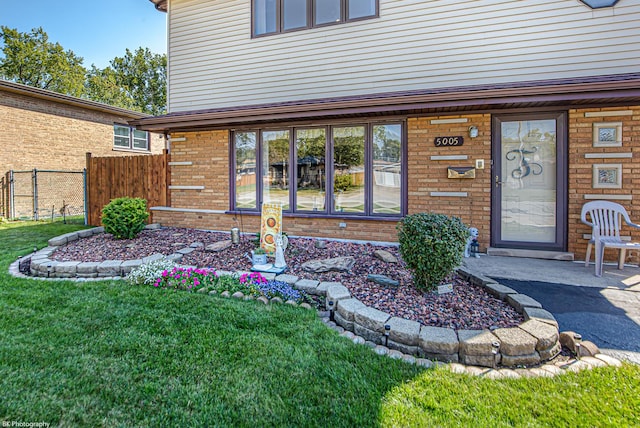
x=605, y=231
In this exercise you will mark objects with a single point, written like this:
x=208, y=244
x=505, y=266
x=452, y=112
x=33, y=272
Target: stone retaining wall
x=534, y=341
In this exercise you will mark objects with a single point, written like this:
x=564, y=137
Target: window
x=278, y=16
x=364, y=175
x=597, y=4
x=127, y=137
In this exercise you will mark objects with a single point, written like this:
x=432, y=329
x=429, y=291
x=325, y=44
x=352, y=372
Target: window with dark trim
x=127, y=137
x=351, y=169
x=279, y=16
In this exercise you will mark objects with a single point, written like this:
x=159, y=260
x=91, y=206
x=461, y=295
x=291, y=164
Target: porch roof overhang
x=599, y=91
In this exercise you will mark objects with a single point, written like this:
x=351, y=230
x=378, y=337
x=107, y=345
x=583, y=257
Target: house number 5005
x=448, y=141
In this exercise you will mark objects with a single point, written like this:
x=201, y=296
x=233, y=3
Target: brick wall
x=427, y=175
x=208, y=153
x=582, y=157
x=43, y=134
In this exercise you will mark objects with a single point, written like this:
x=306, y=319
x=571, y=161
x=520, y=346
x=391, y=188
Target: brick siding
x=43, y=134
x=209, y=153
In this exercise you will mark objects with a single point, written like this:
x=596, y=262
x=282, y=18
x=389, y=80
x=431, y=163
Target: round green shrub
x=124, y=218
x=432, y=245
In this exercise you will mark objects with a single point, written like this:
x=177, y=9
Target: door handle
x=498, y=182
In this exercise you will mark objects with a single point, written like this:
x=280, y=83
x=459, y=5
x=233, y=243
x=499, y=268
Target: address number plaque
x=448, y=141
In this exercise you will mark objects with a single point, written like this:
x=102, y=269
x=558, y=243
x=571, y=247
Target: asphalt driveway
x=608, y=317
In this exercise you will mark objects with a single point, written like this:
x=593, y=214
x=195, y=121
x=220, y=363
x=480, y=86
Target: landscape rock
x=218, y=246
x=383, y=280
x=337, y=264
x=588, y=349
x=569, y=339
x=385, y=256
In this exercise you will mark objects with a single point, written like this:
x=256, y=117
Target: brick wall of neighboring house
x=471, y=198
x=44, y=134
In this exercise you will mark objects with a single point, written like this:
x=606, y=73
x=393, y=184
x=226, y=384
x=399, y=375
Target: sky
x=96, y=30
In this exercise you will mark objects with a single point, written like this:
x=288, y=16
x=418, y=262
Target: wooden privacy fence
x=141, y=176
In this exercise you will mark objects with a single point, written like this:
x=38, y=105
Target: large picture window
x=278, y=16
x=364, y=175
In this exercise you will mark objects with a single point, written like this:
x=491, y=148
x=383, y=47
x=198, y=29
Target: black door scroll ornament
x=525, y=166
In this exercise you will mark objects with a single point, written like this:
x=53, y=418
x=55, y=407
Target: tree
x=30, y=59
x=102, y=85
x=142, y=75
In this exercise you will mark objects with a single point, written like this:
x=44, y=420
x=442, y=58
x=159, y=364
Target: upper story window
x=127, y=137
x=597, y=4
x=278, y=16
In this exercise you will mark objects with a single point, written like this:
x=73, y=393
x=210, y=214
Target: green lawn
x=109, y=354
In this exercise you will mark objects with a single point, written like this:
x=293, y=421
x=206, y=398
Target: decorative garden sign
x=271, y=226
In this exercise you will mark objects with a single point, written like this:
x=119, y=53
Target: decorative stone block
x=370, y=335
x=307, y=285
x=347, y=308
x=498, y=290
x=321, y=289
x=569, y=339
x=541, y=315
x=98, y=230
x=480, y=360
x=406, y=349
x=186, y=250
x=611, y=361
x=545, y=334
x=58, y=241
x=152, y=258
x=87, y=268
x=289, y=279
x=175, y=257
x=340, y=320
x=336, y=293
x=515, y=341
x=521, y=360
x=438, y=340
x=404, y=331
x=588, y=349
x=128, y=265
x=371, y=319
x=109, y=268
x=549, y=353
x=153, y=226
x=445, y=358
x=477, y=342
x=85, y=233
x=68, y=268
x=521, y=301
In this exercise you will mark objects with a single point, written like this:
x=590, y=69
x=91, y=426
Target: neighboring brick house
x=510, y=115
x=45, y=130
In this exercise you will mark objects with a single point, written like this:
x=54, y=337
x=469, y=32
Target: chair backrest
x=605, y=217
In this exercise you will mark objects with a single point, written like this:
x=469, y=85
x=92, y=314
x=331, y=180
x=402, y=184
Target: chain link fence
x=45, y=195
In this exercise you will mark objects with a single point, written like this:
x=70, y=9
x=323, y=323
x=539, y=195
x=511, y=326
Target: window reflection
x=348, y=169
x=387, y=172
x=245, y=147
x=275, y=167
x=311, y=173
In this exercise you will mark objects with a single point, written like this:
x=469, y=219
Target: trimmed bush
x=432, y=245
x=124, y=218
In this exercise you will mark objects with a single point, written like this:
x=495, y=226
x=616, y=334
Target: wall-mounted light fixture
x=473, y=131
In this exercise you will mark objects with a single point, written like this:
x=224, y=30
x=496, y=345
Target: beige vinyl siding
x=413, y=45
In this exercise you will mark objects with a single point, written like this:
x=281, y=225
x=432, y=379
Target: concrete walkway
x=604, y=310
